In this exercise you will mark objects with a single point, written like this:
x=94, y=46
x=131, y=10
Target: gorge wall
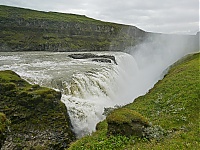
x=24, y=30
x=30, y=30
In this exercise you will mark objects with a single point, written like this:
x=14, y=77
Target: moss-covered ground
x=173, y=105
x=4, y=123
x=38, y=117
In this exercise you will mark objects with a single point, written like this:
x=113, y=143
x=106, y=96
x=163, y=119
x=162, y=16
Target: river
x=89, y=86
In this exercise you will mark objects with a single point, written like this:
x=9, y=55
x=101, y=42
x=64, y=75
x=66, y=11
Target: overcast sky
x=164, y=16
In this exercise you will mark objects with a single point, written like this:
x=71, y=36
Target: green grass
x=27, y=14
x=173, y=104
x=28, y=30
x=121, y=116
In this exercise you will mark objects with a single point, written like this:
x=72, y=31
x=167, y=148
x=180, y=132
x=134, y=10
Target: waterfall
x=88, y=93
x=89, y=86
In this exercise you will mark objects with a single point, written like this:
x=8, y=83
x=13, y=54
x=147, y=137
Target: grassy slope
x=7, y=12
x=173, y=104
x=25, y=29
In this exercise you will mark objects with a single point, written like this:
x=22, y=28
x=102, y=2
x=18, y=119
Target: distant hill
x=30, y=30
x=24, y=30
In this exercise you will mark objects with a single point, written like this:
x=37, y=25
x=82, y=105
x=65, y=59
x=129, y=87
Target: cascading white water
x=88, y=87
x=89, y=92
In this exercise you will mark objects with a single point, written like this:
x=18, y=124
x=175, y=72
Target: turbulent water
x=88, y=87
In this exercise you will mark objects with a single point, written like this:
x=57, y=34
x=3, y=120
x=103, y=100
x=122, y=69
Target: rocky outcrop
x=97, y=58
x=39, y=120
x=126, y=122
x=102, y=60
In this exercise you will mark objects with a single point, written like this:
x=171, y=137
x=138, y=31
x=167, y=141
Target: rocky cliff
x=27, y=30
x=39, y=120
x=30, y=30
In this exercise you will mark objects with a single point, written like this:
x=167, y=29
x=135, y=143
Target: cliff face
x=39, y=120
x=24, y=30
x=30, y=30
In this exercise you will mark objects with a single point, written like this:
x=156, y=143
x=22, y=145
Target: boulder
x=39, y=120
x=126, y=122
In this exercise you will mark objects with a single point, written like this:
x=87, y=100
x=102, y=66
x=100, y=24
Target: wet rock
x=98, y=58
x=83, y=56
x=39, y=120
x=103, y=60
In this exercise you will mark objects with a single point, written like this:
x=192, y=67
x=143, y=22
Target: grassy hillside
x=31, y=30
x=26, y=14
x=172, y=107
x=25, y=29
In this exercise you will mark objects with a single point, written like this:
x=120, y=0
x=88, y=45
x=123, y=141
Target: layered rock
x=39, y=120
x=28, y=30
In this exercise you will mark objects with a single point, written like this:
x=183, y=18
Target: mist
x=134, y=75
x=154, y=55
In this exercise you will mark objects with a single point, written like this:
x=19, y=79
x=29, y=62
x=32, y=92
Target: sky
x=161, y=16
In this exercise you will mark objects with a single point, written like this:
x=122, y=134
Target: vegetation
x=172, y=107
x=28, y=30
x=31, y=30
x=121, y=116
x=4, y=123
x=27, y=14
x=126, y=122
x=39, y=118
